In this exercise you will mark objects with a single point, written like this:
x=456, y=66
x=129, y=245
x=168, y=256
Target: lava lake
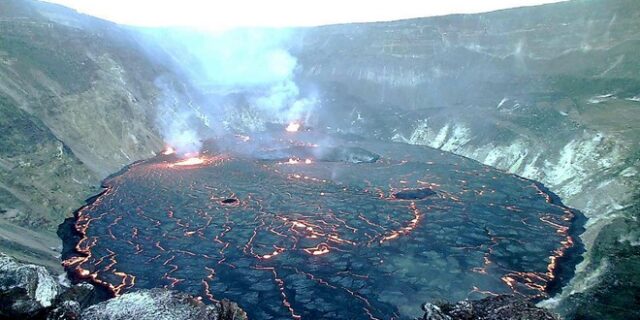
x=292, y=226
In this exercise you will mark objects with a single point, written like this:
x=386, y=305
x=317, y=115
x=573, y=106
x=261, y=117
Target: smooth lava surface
x=290, y=228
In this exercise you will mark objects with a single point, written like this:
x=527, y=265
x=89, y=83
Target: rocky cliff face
x=76, y=104
x=549, y=93
x=25, y=289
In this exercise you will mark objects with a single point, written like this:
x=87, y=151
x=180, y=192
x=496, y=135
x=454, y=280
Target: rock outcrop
x=69, y=304
x=26, y=290
x=77, y=99
x=494, y=308
x=161, y=304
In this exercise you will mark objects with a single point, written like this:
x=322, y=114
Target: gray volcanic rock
x=26, y=290
x=349, y=154
x=161, y=304
x=502, y=307
x=67, y=310
x=77, y=98
x=69, y=304
x=83, y=293
x=414, y=194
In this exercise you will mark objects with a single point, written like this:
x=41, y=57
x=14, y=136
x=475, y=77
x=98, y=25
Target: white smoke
x=180, y=136
x=237, y=71
x=285, y=104
x=177, y=121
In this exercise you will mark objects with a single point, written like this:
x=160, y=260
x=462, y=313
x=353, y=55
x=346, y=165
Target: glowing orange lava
x=298, y=161
x=318, y=250
x=189, y=162
x=293, y=127
x=417, y=215
x=273, y=254
x=168, y=151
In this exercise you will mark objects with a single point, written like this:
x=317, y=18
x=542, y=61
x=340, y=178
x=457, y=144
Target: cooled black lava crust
x=322, y=237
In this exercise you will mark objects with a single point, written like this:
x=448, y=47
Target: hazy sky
x=214, y=14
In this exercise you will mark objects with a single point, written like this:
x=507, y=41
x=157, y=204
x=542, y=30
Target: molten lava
x=168, y=151
x=299, y=161
x=318, y=250
x=189, y=162
x=293, y=127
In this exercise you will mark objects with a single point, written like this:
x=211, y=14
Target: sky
x=222, y=15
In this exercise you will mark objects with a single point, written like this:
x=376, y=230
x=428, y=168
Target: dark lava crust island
x=302, y=225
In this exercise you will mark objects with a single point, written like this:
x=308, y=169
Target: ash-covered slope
x=76, y=104
x=550, y=93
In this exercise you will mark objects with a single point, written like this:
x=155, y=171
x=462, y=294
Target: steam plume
x=245, y=77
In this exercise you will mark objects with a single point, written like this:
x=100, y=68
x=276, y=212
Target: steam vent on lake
x=312, y=160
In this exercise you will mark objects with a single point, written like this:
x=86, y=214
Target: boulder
x=26, y=290
x=161, y=304
x=70, y=303
x=348, y=154
x=66, y=310
x=414, y=194
x=503, y=307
